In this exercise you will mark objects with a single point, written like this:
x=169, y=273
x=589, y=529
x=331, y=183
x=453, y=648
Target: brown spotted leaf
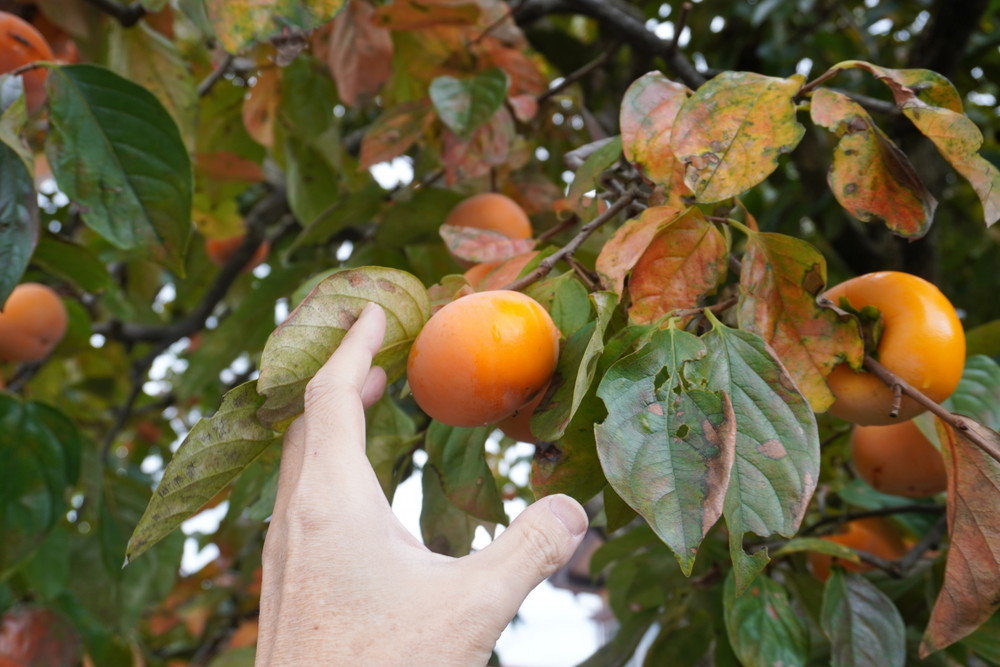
x=488, y=147
x=970, y=593
x=909, y=84
x=647, y=116
x=731, y=132
x=684, y=263
x=870, y=176
x=667, y=448
x=395, y=131
x=482, y=245
x=359, y=54
x=620, y=253
x=240, y=23
x=304, y=341
x=779, y=281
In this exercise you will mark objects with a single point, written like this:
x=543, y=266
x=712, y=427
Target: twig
x=912, y=508
x=205, y=86
x=930, y=538
x=682, y=18
x=557, y=229
x=821, y=79
x=588, y=278
x=508, y=15
x=127, y=15
x=577, y=74
x=715, y=308
x=546, y=265
x=950, y=418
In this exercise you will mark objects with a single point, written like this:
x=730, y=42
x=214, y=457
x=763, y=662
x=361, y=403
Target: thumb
x=540, y=540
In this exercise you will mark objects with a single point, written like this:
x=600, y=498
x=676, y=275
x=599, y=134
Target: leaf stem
x=821, y=79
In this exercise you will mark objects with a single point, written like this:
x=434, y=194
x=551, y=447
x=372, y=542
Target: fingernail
x=570, y=514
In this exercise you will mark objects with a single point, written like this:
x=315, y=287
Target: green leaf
x=862, y=623
x=117, y=154
x=586, y=177
x=978, y=393
x=777, y=443
x=304, y=341
x=18, y=219
x=390, y=434
x=571, y=465
x=466, y=104
x=625, y=641
x=667, y=446
x=984, y=339
x=818, y=545
x=458, y=457
x=445, y=528
x=40, y=449
x=211, y=456
x=239, y=24
x=731, y=132
x=763, y=627
x=76, y=263
x=685, y=646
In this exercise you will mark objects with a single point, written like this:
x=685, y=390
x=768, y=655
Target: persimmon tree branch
x=578, y=74
x=546, y=265
x=128, y=15
x=205, y=87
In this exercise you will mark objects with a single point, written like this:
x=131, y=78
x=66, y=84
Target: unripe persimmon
x=481, y=357
x=32, y=323
x=21, y=44
x=897, y=459
x=872, y=535
x=922, y=342
x=220, y=250
x=491, y=211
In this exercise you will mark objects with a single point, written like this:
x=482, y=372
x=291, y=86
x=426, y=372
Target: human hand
x=345, y=582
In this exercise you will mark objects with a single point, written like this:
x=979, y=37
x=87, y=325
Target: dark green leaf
x=978, y=394
x=73, y=262
x=862, y=623
x=117, y=154
x=445, y=528
x=625, y=641
x=763, y=627
x=682, y=647
x=18, y=219
x=457, y=455
x=466, y=104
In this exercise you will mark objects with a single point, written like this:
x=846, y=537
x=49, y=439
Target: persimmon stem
x=545, y=267
x=715, y=308
x=950, y=418
x=27, y=67
x=818, y=81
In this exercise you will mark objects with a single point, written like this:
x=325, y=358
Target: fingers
x=349, y=365
x=374, y=386
x=541, y=540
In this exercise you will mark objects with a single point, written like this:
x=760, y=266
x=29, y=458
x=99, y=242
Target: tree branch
x=206, y=86
x=127, y=15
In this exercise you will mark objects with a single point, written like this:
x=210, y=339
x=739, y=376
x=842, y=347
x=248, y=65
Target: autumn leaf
x=526, y=77
x=620, y=253
x=907, y=85
x=971, y=588
x=260, y=108
x=406, y=15
x=684, y=263
x=359, y=54
x=240, y=23
x=392, y=133
x=466, y=104
x=780, y=279
x=482, y=245
x=647, y=116
x=731, y=132
x=870, y=176
x=488, y=147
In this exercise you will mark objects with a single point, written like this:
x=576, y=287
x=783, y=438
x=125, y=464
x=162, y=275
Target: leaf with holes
x=620, y=253
x=212, y=455
x=870, y=176
x=863, y=625
x=667, y=444
x=731, y=132
x=304, y=341
x=685, y=262
x=779, y=281
x=117, y=154
x=466, y=104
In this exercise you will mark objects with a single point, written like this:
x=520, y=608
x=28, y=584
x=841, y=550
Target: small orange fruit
x=922, y=342
x=873, y=535
x=21, y=44
x=481, y=357
x=220, y=250
x=32, y=323
x=493, y=212
x=898, y=459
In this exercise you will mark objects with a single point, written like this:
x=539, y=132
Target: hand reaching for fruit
x=345, y=583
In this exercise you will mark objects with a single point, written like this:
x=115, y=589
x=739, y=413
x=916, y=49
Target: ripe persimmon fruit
x=32, y=323
x=491, y=211
x=481, y=357
x=872, y=535
x=220, y=250
x=497, y=275
x=21, y=44
x=922, y=342
x=897, y=459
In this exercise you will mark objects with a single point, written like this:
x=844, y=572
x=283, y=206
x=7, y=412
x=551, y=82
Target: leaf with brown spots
x=359, y=54
x=870, y=176
x=240, y=23
x=392, y=133
x=908, y=84
x=620, y=253
x=763, y=626
x=777, y=443
x=303, y=342
x=482, y=245
x=970, y=593
x=779, y=281
x=488, y=147
x=731, y=132
x=667, y=444
x=647, y=116
x=684, y=263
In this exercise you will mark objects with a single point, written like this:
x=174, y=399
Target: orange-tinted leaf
x=260, y=108
x=647, y=116
x=779, y=280
x=684, y=263
x=488, y=147
x=909, y=84
x=533, y=191
x=971, y=585
x=482, y=245
x=870, y=176
x=959, y=141
x=359, y=54
x=525, y=76
x=394, y=132
x=730, y=133
x=31, y=635
x=623, y=250
x=239, y=23
x=225, y=166
x=525, y=107
x=418, y=14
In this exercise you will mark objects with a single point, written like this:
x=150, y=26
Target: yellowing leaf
x=870, y=176
x=359, y=54
x=260, y=108
x=240, y=23
x=909, y=84
x=730, y=133
x=779, y=281
x=620, y=253
x=684, y=263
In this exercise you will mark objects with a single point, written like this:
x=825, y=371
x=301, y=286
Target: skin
x=345, y=583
